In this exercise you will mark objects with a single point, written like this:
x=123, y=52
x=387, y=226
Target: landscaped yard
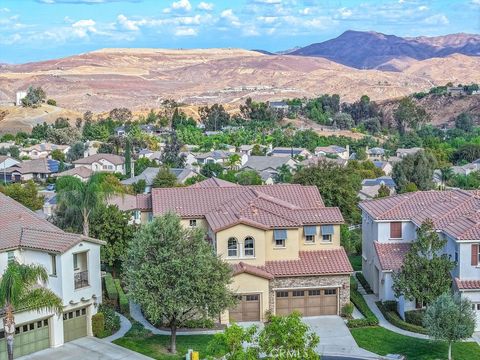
x=382, y=341
x=143, y=341
x=356, y=261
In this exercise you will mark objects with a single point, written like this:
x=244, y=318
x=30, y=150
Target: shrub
x=370, y=319
x=364, y=282
x=390, y=305
x=112, y=320
x=353, y=283
x=51, y=102
x=98, y=324
x=110, y=288
x=347, y=310
x=122, y=298
x=415, y=317
x=200, y=324
x=393, y=318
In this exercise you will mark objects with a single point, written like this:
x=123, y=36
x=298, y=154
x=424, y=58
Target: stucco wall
x=249, y=284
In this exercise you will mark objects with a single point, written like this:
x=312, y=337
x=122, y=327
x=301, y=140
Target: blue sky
x=33, y=30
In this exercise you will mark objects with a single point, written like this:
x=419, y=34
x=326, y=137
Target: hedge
x=370, y=319
x=415, y=317
x=98, y=324
x=122, y=298
x=364, y=282
x=393, y=318
x=112, y=320
x=110, y=288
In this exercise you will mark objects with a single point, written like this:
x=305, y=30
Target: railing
x=81, y=279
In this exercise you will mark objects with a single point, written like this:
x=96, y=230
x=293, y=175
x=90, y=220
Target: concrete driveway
x=86, y=348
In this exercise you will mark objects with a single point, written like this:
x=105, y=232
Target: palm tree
x=80, y=199
x=234, y=161
x=284, y=174
x=20, y=290
x=446, y=174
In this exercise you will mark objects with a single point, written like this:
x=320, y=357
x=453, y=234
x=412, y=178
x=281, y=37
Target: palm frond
x=41, y=299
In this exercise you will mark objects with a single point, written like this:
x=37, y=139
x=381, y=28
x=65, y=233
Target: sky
x=32, y=30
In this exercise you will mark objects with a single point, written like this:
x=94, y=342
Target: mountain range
x=373, y=50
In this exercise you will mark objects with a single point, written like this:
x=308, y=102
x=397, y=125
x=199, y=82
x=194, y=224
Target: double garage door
x=74, y=324
x=310, y=302
x=29, y=338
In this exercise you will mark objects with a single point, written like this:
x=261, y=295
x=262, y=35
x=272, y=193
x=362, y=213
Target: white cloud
x=423, y=8
x=205, y=6
x=6, y=10
x=475, y=2
x=183, y=5
x=82, y=28
x=305, y=11
x=127, y=24
x=186, y=32
x=438, y=19
x=230, y=16
x=345, y=12
x=268, y=2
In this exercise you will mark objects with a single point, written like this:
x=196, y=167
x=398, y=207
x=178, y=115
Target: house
x=385, y=166
x=91, y=147
x=389, y=227
x=278, y=105
x=318, y=160
x=333, y=150
x=401, y=153
x=73, y=264
x=267, y=166
x=465, y=169
x=139, y=205
x=120, y=131
x=42, y=150
x=247, y=149
x=19, y=96
x=7, y=161
x=218, y=157
x=290, y=151
x=102, y=163
x=150, y=154
x=82, y=173
x=150, y=173
x=282, y=242
x=38, y=170
x=370, y=187
x=375, y=153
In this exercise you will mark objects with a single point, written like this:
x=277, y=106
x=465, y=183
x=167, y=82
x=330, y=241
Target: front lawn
x=356, y=261
x=143, y=341
x=382, y=341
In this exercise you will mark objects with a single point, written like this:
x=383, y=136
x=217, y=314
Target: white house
x=218, y=157
x=43, y=150
x=290, y=151
x=103, y=163
x=73, y=264
x=333, y=150
x=389, y=227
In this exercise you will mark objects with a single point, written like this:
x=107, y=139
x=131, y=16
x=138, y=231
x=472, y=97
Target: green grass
x=382, y=341
x=356, y=261
x=143, y=341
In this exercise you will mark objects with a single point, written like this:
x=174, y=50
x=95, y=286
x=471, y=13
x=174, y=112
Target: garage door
x=311, y=302
x=74, y=324
x=247, y=309
x=29, y=338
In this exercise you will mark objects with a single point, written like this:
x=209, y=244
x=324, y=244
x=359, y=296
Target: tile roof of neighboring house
x=216, y=154
x=112, y=158
x=36, y=166
x=467, y=284
x=46, y=147
x=150, y=173
x=391, y=255
x=318, y=160
x=213, y=183
x=409, y=151
x=260, y=163
x=241, y=268
x=127, y=202
x=22, y=228
x=332, y=149
x=385, y=180
x=81, y=171
x=455, y=212
x=288, y=150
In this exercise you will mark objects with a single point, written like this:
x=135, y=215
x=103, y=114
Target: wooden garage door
x=247, y=309
x=29, y=338
x=309, y=302
x=74, y=324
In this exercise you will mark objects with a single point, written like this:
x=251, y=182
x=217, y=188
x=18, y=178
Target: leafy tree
x=417, y=169
x=20, y=290
x=211, y=170
x=35, y=96
x=409, y=114
x=372, y=125
x=425, y=273
x=180, y=119
x=139, y=186
x=61, y=123
x=214, y=118
x=467, y=153
x=52, y=102
x=58, y=155
x=76, y=151
x=257, y=150
x=165, y=178
x=464, y=122
x=63, y=136
x=121, y=114
x=450, y=318
x=143, y=163
x=288, y=337
x=39, y=131
x=343, y=120
x=249, y=177
x=467, y=182
x=361, y=154
x=26, y=194
x=338, y=186
x=365, y=169
x=106, y=148
x=284, y=174
x=128, y=158
x=165, y=271
x=259, y=112
x=78, y=200
x=446, y=173
x=171, y=153
x=231, y=342
x=194, y=179
x=234, y=162
x=111, y=225
x=152, y=117
x=362, y=109
x=383, y=191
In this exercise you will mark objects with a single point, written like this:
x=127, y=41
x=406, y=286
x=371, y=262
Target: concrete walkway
x=125, y=325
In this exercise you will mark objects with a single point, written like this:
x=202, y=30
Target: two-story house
x=333, y=150
x=43, y=150
x=389, y=226
x=282, y=242
x=73, y=264
x=103, y=163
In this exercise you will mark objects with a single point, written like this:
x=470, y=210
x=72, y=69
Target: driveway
x=86, y=348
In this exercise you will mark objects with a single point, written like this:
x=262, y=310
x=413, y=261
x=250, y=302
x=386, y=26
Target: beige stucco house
x=110, y=163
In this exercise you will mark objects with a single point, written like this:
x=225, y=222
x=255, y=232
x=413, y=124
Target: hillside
x=377, y=50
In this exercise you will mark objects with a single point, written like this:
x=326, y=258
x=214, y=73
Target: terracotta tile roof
x=391, y=255
x=81, y=171
x=127, y=202
x=467, y=284
x=241, y=268
x=320, y=262
x=456, y=212
x=21, y=228
x=114, y=159
x=213, y=183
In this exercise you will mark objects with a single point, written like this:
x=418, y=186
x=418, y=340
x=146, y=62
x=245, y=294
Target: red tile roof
x=241, y=268
x=22, y=228
x=467, y=284
x=213, y=182
x=114, y=159
x=391, y=255
x=456, y=212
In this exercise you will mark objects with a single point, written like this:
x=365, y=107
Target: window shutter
x=395, y=230
x=475, y=254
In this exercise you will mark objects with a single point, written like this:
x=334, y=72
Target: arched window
x=232, y=247
x=249, y=247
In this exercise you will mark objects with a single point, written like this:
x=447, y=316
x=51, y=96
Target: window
x=298, y=293
x=75, y=261
x=475, y=254
x=456, y=256
x=310, y=238
x=310, y=232
x=136, y=215
x=327, y=232
x=420, y=304
x=326, y=238
x=280, y=242
x=53, y=261
x=232, y=247
x=330, y=291
x=282, y=294
x=395, y=230
x=279, y=236
x=249, y=247
x=11, y=256
x=193, y=223
x=252, y=297
x=313, y=292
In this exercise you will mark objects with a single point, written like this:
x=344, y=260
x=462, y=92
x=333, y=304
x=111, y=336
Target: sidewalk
x=125, y=325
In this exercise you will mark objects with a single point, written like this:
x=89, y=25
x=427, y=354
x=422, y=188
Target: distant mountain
x=371, y=50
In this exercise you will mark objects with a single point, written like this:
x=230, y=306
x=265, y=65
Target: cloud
x=423, y=8
x=183, y=5
x=230, y=17
x=127, y=24
x=268, y=2
x=82, y=2
x=345, y=12
x=438, y=19
x=205, y=6
x=83, y=28
x=475, y=2
x=185, y=32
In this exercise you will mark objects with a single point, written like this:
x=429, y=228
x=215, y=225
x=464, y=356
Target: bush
x=199, y=324
x=347, y=310
x=364, y=282
x=390, y=305
x=98, y=324
x=122, y=298
x=112, y=320
x=393, y=318
x=415, y=317
x=353, y=284
x=110, y=288
x=370, y=319
x=51, y=102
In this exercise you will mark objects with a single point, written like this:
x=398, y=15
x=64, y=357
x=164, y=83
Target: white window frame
x=53, y=264
x=193, y=222
x=231, y=249
x=75, y=262
x=282, y=243
x=245, y=249
x=311, y=241
x=327, y=238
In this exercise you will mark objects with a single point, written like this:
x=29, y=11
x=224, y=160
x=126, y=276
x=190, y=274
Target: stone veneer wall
x=342, y=282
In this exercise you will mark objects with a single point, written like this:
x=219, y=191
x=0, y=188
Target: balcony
x=81, y=279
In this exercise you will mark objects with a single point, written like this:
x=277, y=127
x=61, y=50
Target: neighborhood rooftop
x=114, y=159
